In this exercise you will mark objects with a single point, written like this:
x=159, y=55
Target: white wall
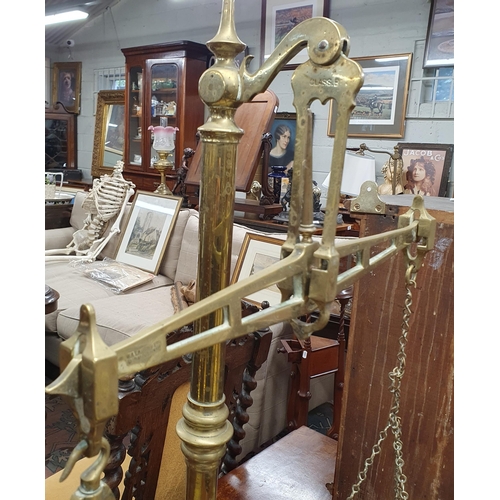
x=375, y=27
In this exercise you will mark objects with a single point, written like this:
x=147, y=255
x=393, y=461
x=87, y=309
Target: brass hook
x=91, y=486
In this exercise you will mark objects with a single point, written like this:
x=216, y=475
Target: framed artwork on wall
x=440, y=40
x=426, y=168
x=258, y=252
x=150, y=223
x=381, y=102
x=66, y=85
x=279, y=17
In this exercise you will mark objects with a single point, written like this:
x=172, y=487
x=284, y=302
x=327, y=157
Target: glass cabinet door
x=135, y=132
x=163, y=98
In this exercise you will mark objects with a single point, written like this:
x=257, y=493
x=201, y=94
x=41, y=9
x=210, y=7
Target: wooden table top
x=296, y=467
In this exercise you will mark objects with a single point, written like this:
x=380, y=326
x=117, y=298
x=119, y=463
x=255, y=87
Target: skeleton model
x=107, y=199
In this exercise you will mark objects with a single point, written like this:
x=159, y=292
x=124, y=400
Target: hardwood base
x=298, y=466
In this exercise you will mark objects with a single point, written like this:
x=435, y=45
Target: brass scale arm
x=308, y=272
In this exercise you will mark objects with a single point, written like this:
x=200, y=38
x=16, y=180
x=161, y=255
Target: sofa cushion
x=77, y=212
x=187, y=265
x=121, y=316
x=169, y=262
x=58, y=238
x=74, y=288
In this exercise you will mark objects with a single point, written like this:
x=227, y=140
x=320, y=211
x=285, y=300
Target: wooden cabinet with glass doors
x=161, y=89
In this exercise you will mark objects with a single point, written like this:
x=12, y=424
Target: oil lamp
x=164, y=144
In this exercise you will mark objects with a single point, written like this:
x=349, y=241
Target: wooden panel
x=427, y=387
x=255, y=119
x=297, y=467
x=57, y=216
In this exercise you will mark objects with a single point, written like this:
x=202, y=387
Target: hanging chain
x=394, y=421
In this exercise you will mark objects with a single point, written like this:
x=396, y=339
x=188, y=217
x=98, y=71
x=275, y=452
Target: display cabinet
x=60, y=139
x=161, y=89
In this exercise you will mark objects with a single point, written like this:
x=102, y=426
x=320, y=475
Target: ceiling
x=58, y=34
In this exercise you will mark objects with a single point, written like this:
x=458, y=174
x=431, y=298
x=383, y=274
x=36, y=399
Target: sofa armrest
x=58, y=238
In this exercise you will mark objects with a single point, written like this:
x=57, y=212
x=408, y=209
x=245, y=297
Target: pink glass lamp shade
x=164, y=137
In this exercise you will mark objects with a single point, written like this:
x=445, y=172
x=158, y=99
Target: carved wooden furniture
x=427, y=388
x=60, y=140
x=299, y=466
x=255, y=119
x=145, y=402
x=315, y=357
x=161, y=82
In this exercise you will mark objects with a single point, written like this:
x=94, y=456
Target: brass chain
x=394, y=421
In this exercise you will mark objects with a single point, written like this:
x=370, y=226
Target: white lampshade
x=357, y=169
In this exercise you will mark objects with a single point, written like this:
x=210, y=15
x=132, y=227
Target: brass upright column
x=204, y=428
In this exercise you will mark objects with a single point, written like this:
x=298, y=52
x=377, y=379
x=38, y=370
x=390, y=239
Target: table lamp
x=358, y=168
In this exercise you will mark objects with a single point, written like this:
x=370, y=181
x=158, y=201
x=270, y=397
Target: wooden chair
x=302, y=463
x=144, y=412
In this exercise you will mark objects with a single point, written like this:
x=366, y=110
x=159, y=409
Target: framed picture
x=66, y=85
x=258, y=252
x=148, y=230
x=283, y=130
x=440, y=40
x=280, y=16
x=426, y=168
x=381, y=102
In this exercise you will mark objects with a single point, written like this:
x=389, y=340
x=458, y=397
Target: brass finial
x=226, y=43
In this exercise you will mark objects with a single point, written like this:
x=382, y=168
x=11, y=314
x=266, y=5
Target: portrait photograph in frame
x=433, y=161
x=279, y=17
x=440, y=40
x=381, y=102
x=66, y=85
x=258, y=252
x=149, y=226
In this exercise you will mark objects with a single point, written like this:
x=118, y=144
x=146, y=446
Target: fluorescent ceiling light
x=63, y=17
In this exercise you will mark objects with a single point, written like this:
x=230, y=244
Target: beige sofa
x=120, y=316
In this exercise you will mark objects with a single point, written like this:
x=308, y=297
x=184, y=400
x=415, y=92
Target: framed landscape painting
x=381, y=102
x=279, y=17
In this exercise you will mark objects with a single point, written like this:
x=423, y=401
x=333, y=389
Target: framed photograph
x=258, y=252
x=66, y=85
x=440, y=40
x=280, y=16
x=426, y=168
x=148, y=230
x=381, y=102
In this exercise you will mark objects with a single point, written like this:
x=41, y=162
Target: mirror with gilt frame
x=109, y=132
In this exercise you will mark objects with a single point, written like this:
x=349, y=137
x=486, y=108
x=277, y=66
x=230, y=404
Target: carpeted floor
x=61, y=434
